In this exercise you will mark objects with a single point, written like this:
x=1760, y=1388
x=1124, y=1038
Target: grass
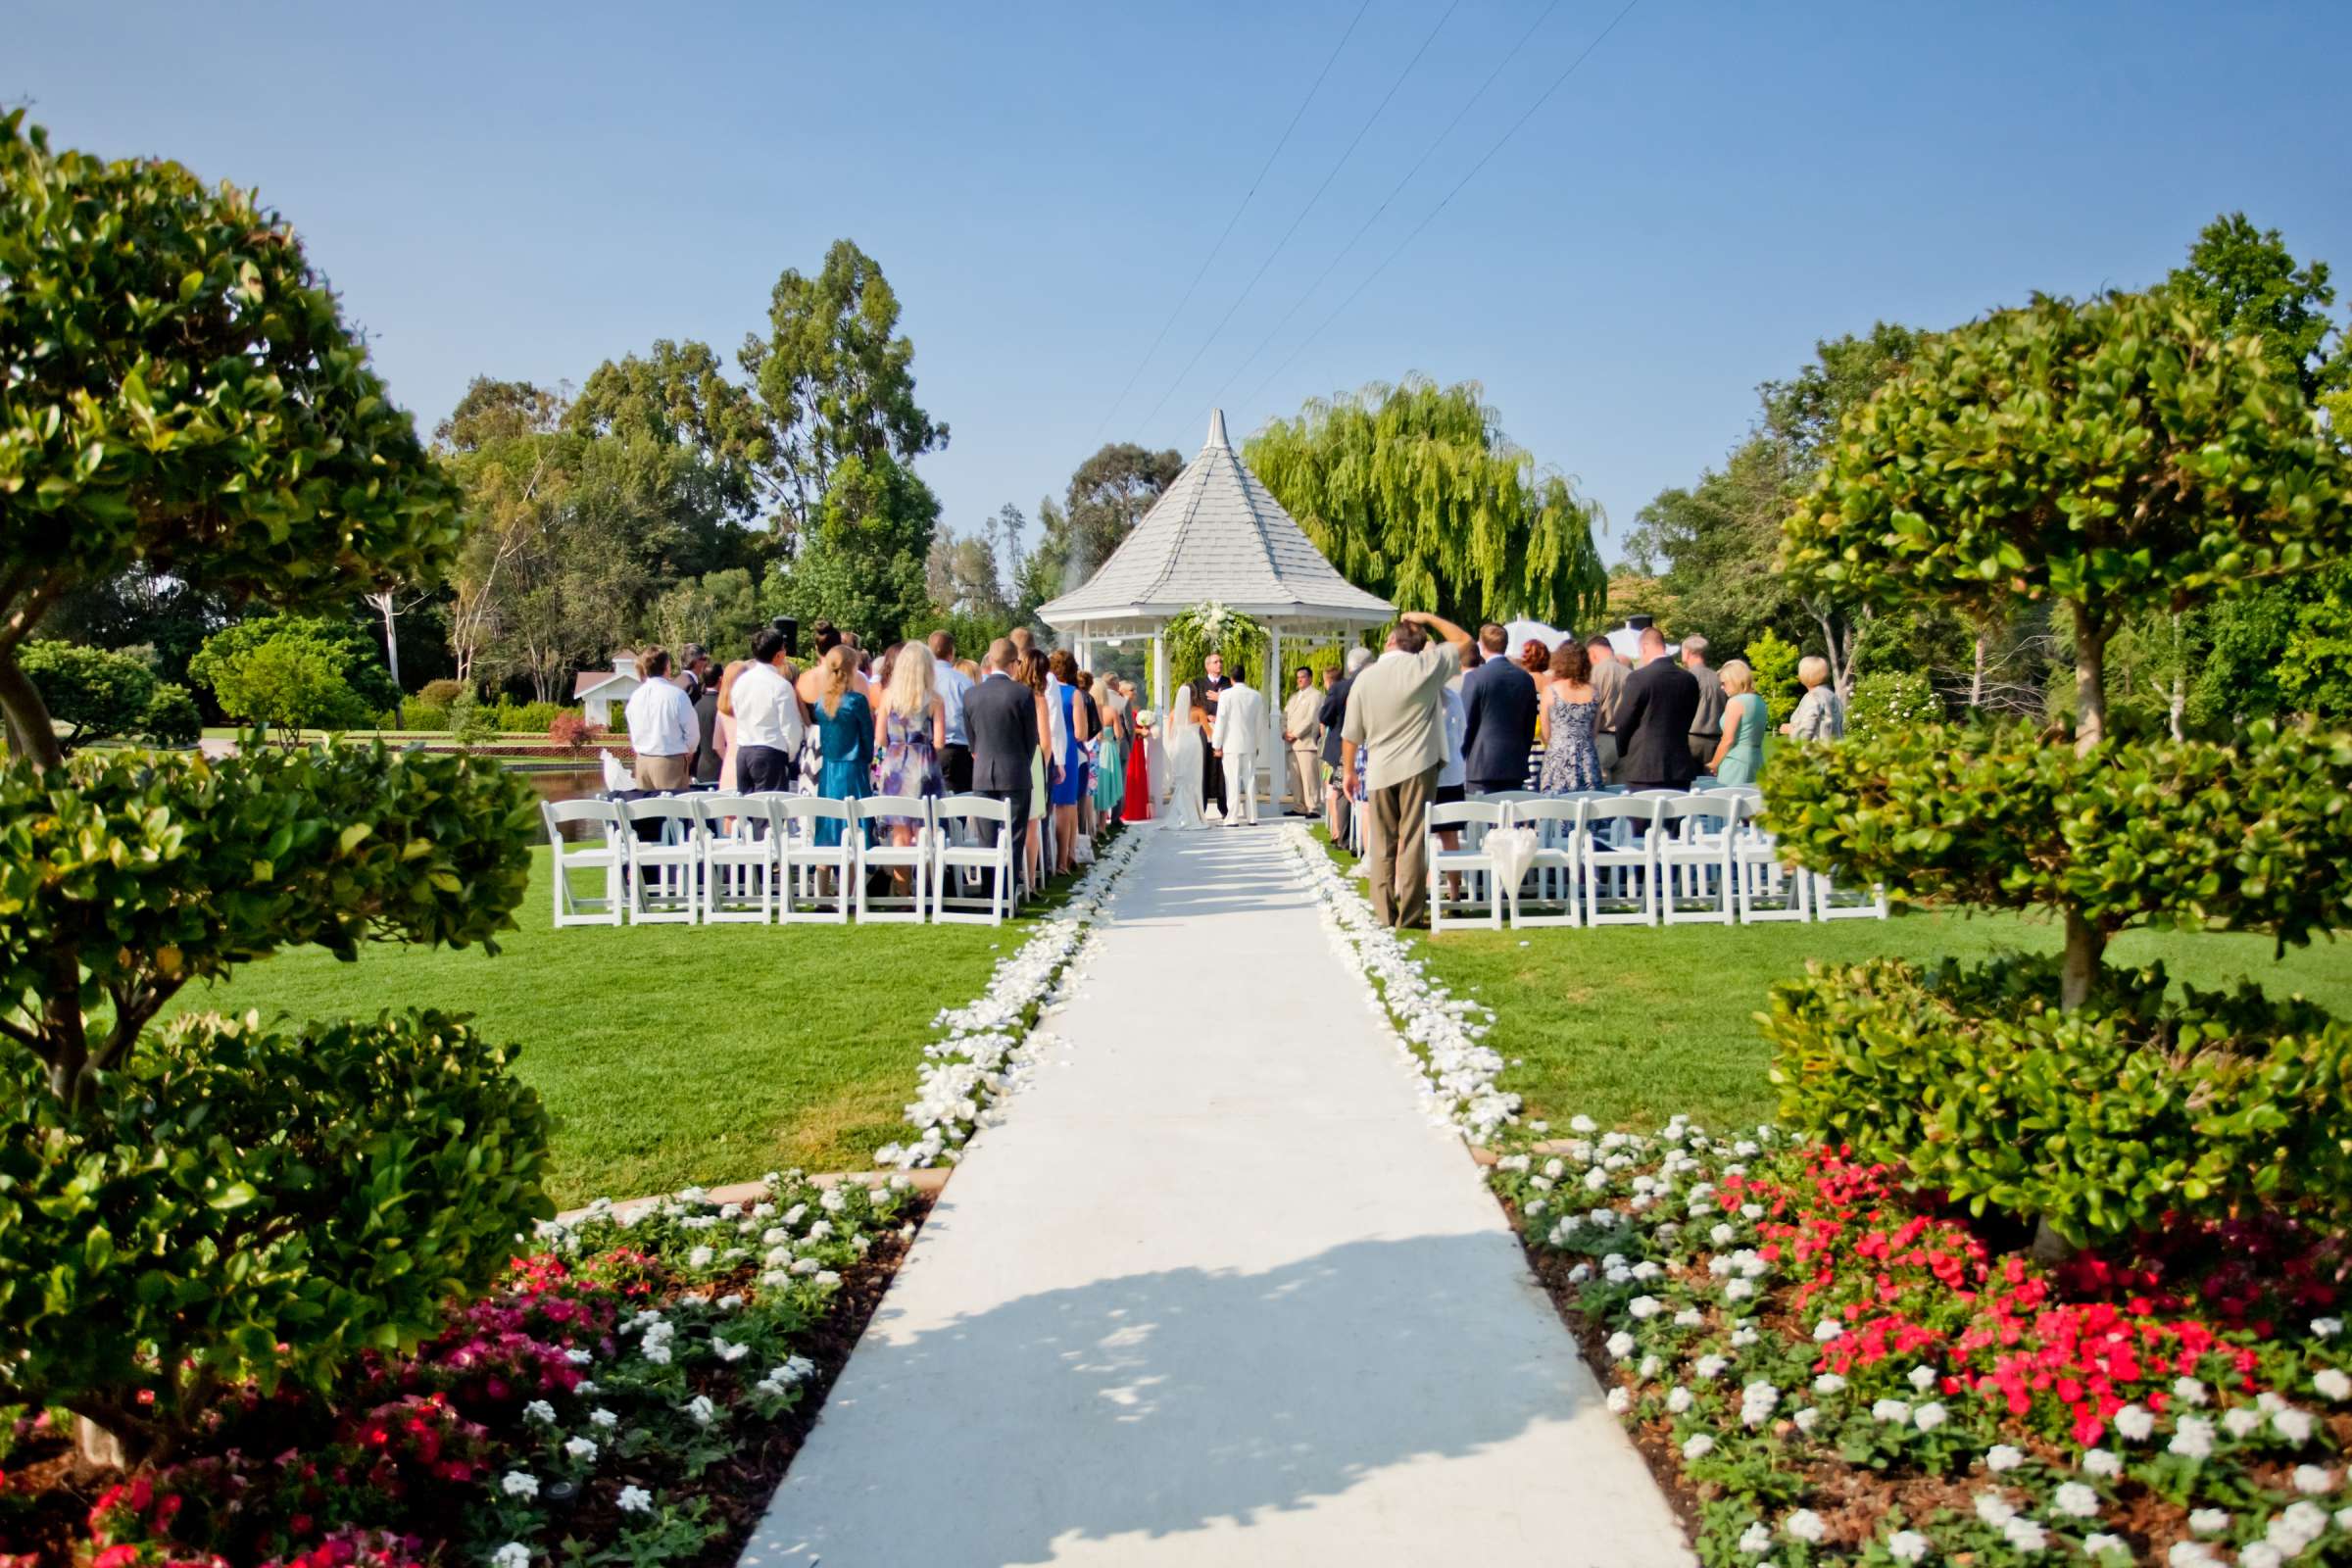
x=673, y=1055
x=1631, y=1024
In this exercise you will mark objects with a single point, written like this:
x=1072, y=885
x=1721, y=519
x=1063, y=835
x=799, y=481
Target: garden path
x=1218, y=1292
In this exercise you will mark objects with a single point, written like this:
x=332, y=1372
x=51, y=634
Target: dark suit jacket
x=1500, y=699
x=1333, y=714
x=706, y=750
x=1000, y=713
x=1654, y=726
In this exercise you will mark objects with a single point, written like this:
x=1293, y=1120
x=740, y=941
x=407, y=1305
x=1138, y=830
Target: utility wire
x=1396, y=191
x=1558, y=82
x=1230, y=222
x=1145, y=422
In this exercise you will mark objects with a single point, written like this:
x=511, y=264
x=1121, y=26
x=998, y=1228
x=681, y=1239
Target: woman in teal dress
x=1739, y=754
x=1110, y=753
x=845, y=731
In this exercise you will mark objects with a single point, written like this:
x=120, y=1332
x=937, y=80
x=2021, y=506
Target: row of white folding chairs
x=724, y=859
x=1650, y=858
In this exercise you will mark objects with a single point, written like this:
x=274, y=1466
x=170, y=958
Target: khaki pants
x=1604, y=746
x=1397, y=850
x=661, y=772
x=1304, y=779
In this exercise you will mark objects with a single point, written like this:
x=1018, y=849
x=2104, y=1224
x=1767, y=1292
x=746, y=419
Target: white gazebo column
x=1277, y=755
x=1159, y=674
x=1086, y=651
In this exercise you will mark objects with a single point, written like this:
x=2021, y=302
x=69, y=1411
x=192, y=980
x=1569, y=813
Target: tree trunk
x=2080, y=968
x=1976, y=678
x=29, y=731
x=2178, y=706
x=2090, y=682
x=391, y=637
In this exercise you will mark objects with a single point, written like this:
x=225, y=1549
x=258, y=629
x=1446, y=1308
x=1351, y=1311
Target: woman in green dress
x=1739, y=754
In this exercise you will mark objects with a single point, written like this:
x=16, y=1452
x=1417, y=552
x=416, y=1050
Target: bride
x=1181, y=738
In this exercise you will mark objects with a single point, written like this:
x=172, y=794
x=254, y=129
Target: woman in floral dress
x=908, y=734
x=1571, y=761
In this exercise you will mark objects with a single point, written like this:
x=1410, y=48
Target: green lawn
x=1630, y=1024
x=673, y=1054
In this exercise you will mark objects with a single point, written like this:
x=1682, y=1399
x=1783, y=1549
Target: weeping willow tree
x=1413, y=492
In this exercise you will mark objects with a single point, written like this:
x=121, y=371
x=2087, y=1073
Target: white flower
x=728, y=1350
x=601, y=1417
x=514, y=1554
x=2099, y=1544
x=1828, y=1329
x=700, y=1257
x=1757, y=1540
x=2025, y=1534
x=2189, y=1391
x=2003, y=1456
x=1895, y=1412
x=636, y=1499
x=1807, y=1418
x=1583, y=1125
x=2076, y=1500
x=519, y=1484
x=2208, y=1521
x=1829, y=1382
x=2312, y=1480
x=1643, y=1307
x=2193, y=1438
x=1621, y=1400
x=1689, y=1317
x=2135, y=1422
x=2240, y=1422
x=581, y=1448
x=2105, y=1463
x=1678, y=1399
x=1710, y=1367
x=1908, y=1545
x=1921, y=1378
x=1621, y=1345
x=1722, y=1235
x=2294, y=1425
x=1995, y=1510
x=2326, y=1327
x=539, y=1410
x=2260, y=1554
x=2191, y=1554
x=1698, y=1446
x=2332, y=1384
x=1738, y=1290
x=578, y=1357
x=1928, y=1417
x=1649, y=1368
x=1806, y=1525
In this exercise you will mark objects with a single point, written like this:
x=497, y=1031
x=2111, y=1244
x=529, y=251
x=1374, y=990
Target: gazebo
x=1217, y=534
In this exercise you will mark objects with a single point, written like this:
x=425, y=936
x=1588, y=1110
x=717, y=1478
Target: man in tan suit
x=1395, y=709
x=1302, y=741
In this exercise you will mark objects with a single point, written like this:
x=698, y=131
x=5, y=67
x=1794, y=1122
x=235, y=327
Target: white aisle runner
x=1217, y=1293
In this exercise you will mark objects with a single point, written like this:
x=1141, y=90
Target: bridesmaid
x=845, y=731
x=1137, y=806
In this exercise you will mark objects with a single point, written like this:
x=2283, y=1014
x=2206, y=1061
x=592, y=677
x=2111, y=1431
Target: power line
x=1355, y=239
x=1145, y=422
x=1557, y=83
x=1235, y=219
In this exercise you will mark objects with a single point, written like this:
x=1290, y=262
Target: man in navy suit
x=1501, y=702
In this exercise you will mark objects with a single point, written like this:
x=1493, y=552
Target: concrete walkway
x=1216, y=1293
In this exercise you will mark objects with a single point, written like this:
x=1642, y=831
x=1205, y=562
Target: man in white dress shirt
x=662, y=728
x=1238, y=733
x=768, y=727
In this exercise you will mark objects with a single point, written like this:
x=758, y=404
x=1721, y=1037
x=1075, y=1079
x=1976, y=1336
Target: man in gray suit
x=1706, y=726
x=1396, y=711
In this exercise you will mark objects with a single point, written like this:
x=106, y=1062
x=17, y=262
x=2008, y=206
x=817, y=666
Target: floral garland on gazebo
x=1208, y=628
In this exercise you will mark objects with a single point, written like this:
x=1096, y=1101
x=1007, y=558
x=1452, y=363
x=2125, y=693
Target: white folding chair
x=601, y=853
x=803, y=863
x=1694, y=858
x=1615, y=851
x=880, y=853
x=1471, y=821
x=1832, y=903
x=961, y=854
x=1551, y=875
x=663, y=876
x=738, y=860
x=1768, y=890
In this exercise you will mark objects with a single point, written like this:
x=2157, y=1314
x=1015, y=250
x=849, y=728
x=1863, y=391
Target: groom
x=1213, y=685
x=1240, y=728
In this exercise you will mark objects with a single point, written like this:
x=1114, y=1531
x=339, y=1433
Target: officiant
x=1212, y=685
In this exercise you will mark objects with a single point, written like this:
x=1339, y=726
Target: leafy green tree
x=103, y=695
x=719, y=611
x=286, y=682
x=171, y=717
x=679, y=396
x=499, y=411
x=184, y=400
x=861, y=567
x=2248, y=281
x=1108, y=494
x=836, y=377
x=349, y=649
x=1413, y=492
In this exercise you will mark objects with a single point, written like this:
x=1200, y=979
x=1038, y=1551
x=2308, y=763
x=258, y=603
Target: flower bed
x=1828, y=1372
x=638, y=1384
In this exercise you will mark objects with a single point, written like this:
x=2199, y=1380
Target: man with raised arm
x=1396, y=711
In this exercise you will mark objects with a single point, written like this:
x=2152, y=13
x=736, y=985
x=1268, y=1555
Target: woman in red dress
x=1137, y=806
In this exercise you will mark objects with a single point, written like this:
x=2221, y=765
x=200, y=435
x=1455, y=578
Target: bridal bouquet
x=1147, y=718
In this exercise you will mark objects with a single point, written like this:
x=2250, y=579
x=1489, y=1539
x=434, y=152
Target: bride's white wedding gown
x=1182, y=742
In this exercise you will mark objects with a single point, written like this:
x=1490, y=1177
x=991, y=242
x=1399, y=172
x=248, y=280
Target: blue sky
x=1719, y=185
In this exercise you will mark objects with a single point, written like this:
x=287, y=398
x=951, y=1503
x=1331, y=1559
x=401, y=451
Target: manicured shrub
x=102, y=694
x=571, y=730
x=1891, y=702
x=2102, y=1121
x=250, y=1204
x=171, y=717
x=442, y=693
x=525, y=718
x=416, y=713
x=288, y=682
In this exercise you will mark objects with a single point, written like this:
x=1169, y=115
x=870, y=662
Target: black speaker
x=790, y=630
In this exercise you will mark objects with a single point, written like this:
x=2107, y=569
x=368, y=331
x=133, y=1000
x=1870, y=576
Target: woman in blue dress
x=1070, y=781
x=1739, y=754
x=845, y=730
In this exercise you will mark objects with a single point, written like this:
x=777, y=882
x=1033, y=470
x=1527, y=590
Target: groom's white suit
x=1239, y=731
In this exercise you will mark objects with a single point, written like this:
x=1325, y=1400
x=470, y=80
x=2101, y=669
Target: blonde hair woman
x=1820, y=714
x=910, y=733
x=843, y=722
x=1740, y=751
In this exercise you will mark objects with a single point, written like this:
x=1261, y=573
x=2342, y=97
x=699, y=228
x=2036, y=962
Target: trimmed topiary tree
x=236, y=1203
x=2106, y=456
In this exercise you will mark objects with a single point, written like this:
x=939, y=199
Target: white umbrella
x=1519, y=631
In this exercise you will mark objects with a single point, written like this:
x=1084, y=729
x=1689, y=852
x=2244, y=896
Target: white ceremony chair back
x=914, y=858
x=738, y=860
x=597, y=851
x=1551, y=884
x=1471, y=864
x=964, y=859
x=1767, y=890
x=810, y=875
x=665, y=878
x=1617, y=860
x=1694, y=858
x=1831, y=901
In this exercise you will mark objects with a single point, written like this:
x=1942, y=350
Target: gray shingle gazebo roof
x=1217, y=534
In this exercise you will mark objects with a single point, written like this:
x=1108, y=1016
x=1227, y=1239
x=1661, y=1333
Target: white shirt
x=953, y=686
x=1457, y=726
x=766, y=713
x=1059, y=740
x=661, y=721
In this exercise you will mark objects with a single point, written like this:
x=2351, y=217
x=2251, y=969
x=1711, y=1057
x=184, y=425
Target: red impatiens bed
x=1828, y=1369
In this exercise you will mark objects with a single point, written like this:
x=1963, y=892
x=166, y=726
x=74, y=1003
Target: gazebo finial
x=1216, y=429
